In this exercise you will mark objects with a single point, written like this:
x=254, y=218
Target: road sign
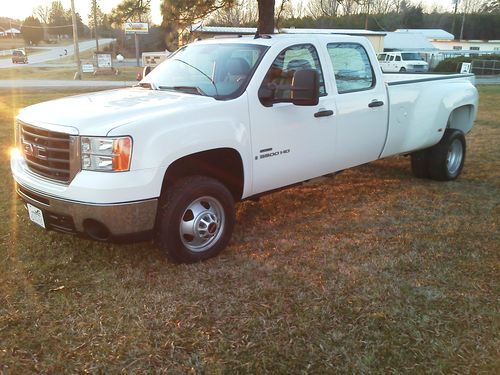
x=104, y=60
x=88, y=68
x=136, y=28
x=465, y=68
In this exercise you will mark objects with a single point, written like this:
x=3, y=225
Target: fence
x=486, y=67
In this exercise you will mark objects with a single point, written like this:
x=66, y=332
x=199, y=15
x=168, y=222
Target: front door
x=291, y=143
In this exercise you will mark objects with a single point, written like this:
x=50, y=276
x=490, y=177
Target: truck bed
x=403, y=78
x=417, y=114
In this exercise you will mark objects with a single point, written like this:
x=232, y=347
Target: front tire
x=195, y=220
x=402, y=70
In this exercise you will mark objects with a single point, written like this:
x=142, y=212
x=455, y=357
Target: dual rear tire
x=442, y=162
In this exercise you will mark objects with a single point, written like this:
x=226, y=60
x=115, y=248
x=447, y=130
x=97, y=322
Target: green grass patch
x=373, y=271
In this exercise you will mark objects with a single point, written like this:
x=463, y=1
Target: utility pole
x=95, y=26
x=462, y=28
x=78, y=74
x=136, y=39
x=454, y=18
x=366, y=15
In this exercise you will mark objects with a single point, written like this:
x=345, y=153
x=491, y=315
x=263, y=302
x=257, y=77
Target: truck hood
x=100, y=112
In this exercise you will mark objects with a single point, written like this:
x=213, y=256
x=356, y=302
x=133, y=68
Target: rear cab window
x=352, y=68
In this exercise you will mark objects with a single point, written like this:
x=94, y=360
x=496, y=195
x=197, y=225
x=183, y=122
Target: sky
x=24, y=8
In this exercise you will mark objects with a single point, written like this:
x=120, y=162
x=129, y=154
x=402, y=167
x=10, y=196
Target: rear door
x=361, y=102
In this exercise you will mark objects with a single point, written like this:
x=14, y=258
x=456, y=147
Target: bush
x=453, y=64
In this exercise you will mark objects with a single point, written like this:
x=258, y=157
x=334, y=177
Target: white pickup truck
x=223, y=120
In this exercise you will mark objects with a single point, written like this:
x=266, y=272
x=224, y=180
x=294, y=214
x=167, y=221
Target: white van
x=392, y=62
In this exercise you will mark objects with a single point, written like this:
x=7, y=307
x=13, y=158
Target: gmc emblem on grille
x=35, y=151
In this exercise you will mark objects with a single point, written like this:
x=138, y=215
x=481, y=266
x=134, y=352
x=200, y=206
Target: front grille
x=47, y=153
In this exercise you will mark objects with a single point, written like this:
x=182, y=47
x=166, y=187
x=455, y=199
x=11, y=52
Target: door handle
x=323, y=113
x=376, y=103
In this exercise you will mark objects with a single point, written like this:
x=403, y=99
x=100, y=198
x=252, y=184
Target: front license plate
x=36, y=215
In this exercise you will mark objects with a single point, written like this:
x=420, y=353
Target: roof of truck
x=291, y=30
x=271, y=39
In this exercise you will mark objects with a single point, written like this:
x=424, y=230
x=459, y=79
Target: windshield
x=221, y=71
x=411, y=56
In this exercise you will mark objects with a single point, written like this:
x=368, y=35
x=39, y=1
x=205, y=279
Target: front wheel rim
x=454, y=157
x=202, y=224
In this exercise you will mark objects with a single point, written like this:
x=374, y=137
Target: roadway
x=54, y=53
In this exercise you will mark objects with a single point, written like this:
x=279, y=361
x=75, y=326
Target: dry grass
x=58, y=73
x=11, y=43
x=372, y=271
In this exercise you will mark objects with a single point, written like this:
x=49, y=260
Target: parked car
x=225, y=120
x=19, y=56
x=402, y=62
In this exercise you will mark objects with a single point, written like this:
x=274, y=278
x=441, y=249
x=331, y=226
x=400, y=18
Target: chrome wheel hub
x=454, y=157
x=202, y=224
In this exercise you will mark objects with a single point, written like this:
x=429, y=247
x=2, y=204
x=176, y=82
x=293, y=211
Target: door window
x=291, y=59
x=352, y=68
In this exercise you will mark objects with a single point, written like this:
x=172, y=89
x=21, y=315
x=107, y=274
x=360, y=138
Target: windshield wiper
x=206, y=75
x=188, y=89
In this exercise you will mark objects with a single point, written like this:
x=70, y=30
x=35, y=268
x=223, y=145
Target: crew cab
x=225, y=120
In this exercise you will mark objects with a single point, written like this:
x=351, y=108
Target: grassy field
x=11, y=43
x=373, y=271
x=58, y=73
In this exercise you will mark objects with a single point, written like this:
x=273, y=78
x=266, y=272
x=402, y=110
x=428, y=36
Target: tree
x=131, y=11
x=181, y=14
x=265, y=24
x=32, y=30
x=413, y=17
x=491, y=6
x=99, y=15
x=243, y=13
x=42, y=13
x=60, y=22
x=323, y=8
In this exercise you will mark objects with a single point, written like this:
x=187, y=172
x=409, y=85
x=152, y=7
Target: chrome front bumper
x=69, y=216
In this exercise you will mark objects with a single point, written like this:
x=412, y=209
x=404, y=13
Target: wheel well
x=223, y=164
x=461, y=118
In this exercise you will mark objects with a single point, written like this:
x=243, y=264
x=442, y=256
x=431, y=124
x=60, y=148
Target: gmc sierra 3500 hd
x=223, y=120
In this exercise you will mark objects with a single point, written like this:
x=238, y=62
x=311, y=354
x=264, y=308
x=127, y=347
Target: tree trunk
x=266, y=16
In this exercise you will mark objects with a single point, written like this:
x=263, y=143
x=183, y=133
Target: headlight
x=106, y=154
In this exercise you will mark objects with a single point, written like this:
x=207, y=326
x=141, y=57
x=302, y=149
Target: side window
x=382, y=57
x=391, y=58
x=398, y=58
x=352, y=68
x=291, y=59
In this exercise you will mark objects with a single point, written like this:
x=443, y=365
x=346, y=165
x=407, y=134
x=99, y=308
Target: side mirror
x=147, y=69
x=266, y=95
x=305, y=87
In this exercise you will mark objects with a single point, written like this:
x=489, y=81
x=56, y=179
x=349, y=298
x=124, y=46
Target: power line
x=43, y=27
